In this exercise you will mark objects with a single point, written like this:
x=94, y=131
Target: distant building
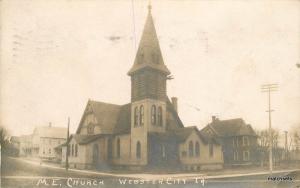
x=45, y=139
x=145, y=133
x=239, y=141
x=41, y=144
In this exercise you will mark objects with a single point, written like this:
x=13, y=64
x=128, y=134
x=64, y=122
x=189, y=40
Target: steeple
x=149, y=53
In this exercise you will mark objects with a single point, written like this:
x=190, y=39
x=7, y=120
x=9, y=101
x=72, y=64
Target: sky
x=55, y=55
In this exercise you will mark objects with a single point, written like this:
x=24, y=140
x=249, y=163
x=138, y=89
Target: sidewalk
x=225, y=173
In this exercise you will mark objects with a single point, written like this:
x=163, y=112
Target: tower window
x=136, y=116
x=153, y=115
x=138, y=150
x=90, y=129
x=159, y=116
x=141, y=115
x=191, y=149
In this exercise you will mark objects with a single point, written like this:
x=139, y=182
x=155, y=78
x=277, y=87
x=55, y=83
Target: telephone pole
x=67, y=150
x=270, y=88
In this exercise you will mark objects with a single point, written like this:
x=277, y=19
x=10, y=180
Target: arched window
x=118, y=148
x=136, y=116
x=191, y=149
x=141, y=115
x=159, y=116
x=153, y=114
x=72, y=149
x=197, y=149
x=138, y=150
x=76, y=150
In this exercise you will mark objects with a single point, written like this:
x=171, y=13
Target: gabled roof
x=111, y=118
x=149, y=54
x=51, y=132
x=232, y=127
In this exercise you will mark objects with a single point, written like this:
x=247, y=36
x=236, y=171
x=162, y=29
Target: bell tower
x=148, y=73
x=148, y=93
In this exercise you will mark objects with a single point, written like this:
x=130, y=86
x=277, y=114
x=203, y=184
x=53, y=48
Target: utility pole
x=67, y=150
x=270, y=88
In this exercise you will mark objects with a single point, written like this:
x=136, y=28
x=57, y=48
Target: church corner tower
x=148, y=93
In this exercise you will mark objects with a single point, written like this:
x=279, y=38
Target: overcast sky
x=57, y=54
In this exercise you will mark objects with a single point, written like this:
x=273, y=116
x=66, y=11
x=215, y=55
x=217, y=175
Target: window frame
x=153, y=115
x=160, y=116
x=142, y=115
x=191, y=149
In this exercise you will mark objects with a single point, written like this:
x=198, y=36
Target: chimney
x=174, y=103
x=214, y=118
x=50, y=124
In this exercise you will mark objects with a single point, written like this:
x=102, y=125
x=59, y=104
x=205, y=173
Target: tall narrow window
x=153, y=115
x=136, y=116
x=72, y=150
x=191, y=149
x=246, y=156
x=197, y=149
x=211, y=149
x=163, y=151
x=159, y=116
x=76, y=150
x=138, y=150
x=141, y=115
x=118, y=148
x=245, y=141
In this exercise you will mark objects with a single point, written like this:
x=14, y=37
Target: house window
x=159, y=116
x=245, y=141
x=72, y=150
x=235, y=156
x=191, y=149
x=76, y=150
x=153, y=115
x=246, y=156
x=211, y=149
x=233, y=142
x=90, y=129
x=49, y=151
x=43, y=150
x=118, y=148
x=136, y=116
x=138, y=150
x=197, y=149
x=141, y=115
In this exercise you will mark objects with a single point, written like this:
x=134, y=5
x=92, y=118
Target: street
x=17, y=173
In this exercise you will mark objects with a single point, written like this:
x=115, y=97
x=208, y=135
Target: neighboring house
x=239, y=141
x=42, y=143
x=45, y=139
x=145, y=133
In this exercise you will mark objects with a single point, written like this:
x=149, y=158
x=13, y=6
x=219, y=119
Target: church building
x=146, y=133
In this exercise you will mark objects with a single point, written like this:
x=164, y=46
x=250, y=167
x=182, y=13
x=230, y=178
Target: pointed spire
x=149, y=53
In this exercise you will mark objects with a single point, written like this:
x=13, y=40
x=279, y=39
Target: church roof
x=149, y=54
x=232, y=127
x=116, y=119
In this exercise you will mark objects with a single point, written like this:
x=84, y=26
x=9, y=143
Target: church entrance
x=162, y=152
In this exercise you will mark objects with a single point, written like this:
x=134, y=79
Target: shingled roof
x=231, y=127
x=149, y=54
x=111, y=117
